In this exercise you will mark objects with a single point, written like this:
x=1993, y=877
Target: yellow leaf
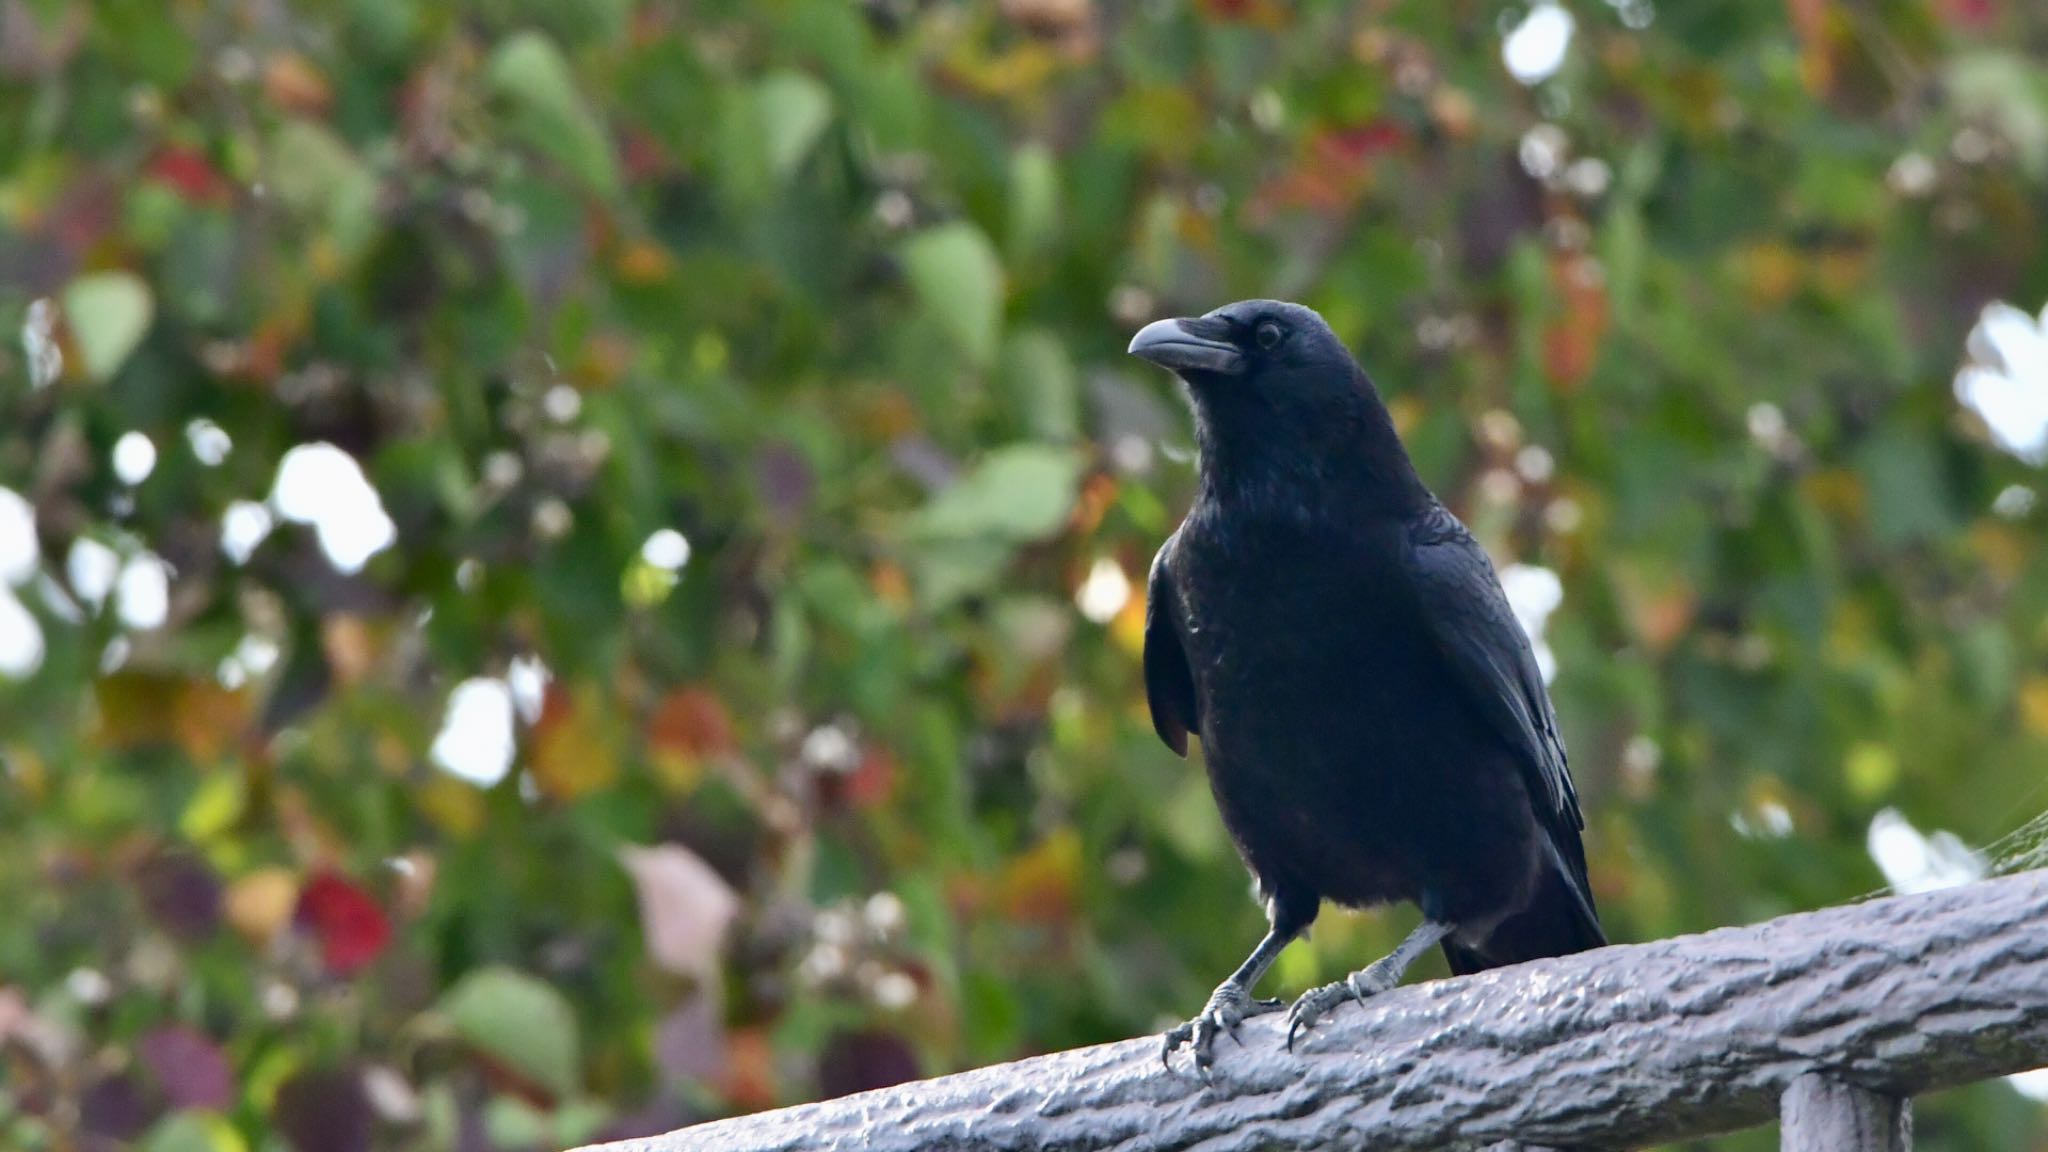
x=137, y=709
x=572, y=755
x=1870, y=769
x=1039, y=885
x=1772, y=272
x=2001, y=550
x=214, y=807
x=260, y=904
x=1837, y=491
x=644, y=262
x=25, y=765
x=2034, y=705
x=350, y=648
x=1128, y=626
x=455, y=807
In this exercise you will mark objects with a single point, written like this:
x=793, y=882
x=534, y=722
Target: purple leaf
x=324, y=1110
x=114, y=1109
x=690, y=1044
x=785, y=480
x=189, y=1067
x=180, y=893
x=860, y=1061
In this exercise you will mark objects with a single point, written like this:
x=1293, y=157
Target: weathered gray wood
x=1624, y=1046
x=1825, y=1115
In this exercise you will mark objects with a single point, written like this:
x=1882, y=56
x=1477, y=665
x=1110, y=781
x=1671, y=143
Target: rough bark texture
x=1824, y=1115
x=1622, y=1046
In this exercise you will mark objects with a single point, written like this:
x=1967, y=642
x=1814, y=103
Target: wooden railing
x=1830, y=1021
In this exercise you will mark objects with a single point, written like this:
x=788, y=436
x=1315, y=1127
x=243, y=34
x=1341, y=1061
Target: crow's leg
x=1231, y=1004
x=1371, y=980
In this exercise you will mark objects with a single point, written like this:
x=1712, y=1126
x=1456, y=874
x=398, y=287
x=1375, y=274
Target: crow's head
x=1271, y=347
x=1277, y=397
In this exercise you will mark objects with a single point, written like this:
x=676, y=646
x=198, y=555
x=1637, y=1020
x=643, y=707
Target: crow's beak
x=1184, y=346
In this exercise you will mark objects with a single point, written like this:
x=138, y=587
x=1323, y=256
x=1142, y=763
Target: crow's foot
x=1316, y=1003
x=1229, y=1006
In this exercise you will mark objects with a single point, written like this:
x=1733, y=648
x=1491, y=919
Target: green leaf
x=1034, y=198
x=1908, y=500
x=193, y=1131
x=518, y=1022
x=2010, y=92
x=794, y=109
x=957, y=277
x=1015, y=494
x=969, y=533
x=109, y=313
x=312, y=172
x=1038, y=385
x=544, y=108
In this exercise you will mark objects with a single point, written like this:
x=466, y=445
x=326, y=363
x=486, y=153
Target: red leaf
x=190, y=174
x=351, y=928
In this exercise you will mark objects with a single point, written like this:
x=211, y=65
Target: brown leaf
x=294, y=84
x=1659, y=605
x=689, y=727
x=751, y=1082
x=1571, y=345
x=211, y=720
x=1039, y=885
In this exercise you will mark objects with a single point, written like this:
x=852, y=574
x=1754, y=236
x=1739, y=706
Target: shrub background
x=756, y=370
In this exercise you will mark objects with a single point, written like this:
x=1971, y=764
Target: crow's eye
x=1268, y=334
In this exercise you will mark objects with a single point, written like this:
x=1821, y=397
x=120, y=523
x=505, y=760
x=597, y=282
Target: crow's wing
x=1169, y=684
x=1467, y=614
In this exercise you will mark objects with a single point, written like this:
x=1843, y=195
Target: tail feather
x=1558, y=920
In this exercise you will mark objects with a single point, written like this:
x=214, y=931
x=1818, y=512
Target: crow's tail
x=1558, y=920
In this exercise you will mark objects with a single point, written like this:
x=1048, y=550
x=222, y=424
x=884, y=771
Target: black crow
x=1372, y=716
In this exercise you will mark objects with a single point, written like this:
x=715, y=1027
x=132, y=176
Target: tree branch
x=1627, y=1045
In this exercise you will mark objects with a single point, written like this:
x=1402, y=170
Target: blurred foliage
x=755, y=367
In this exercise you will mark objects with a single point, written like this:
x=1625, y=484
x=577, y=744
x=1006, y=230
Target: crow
x=1371, y=715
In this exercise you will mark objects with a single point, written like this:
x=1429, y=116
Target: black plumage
x=1371, y=714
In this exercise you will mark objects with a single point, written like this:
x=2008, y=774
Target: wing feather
x=1169, y=683
x=1468, y=615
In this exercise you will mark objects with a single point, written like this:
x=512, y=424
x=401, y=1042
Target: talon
x=1224, y=1014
